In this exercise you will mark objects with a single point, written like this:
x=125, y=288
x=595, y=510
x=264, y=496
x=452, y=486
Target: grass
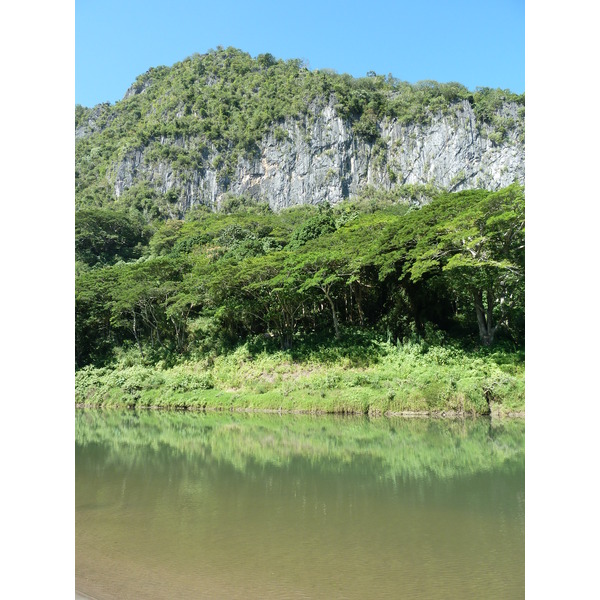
x=374, y=377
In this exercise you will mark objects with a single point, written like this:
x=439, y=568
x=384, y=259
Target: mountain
x=224, y=124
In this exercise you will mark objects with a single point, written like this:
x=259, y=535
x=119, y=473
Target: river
x=220, y=505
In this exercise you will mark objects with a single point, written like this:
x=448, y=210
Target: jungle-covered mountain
x=225, y=124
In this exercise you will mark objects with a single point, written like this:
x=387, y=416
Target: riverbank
x=494, y=412
x=384, y=379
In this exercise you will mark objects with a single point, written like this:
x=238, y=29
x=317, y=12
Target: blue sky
x=474, y=42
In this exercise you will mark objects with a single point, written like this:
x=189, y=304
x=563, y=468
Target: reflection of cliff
x=389, y=448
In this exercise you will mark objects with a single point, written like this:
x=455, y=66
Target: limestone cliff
x=319, y=157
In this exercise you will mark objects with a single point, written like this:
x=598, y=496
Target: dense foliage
x=452, y=270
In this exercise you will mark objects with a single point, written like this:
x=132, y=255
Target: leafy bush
x=188, y=383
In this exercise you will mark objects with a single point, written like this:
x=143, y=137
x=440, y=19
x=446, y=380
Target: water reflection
x=268, y=506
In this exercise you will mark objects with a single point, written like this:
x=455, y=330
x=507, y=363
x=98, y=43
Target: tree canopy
x=177, y=288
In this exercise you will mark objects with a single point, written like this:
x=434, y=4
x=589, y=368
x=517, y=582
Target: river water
x=221, y=505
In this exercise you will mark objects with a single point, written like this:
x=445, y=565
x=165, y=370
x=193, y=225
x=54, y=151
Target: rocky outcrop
x=319, y=158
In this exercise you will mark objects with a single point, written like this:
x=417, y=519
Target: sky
x=477, y=43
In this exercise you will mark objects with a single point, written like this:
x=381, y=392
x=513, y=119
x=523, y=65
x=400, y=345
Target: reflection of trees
x=395, y=448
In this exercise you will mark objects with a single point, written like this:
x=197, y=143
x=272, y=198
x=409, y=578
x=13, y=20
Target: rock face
x=319, y=158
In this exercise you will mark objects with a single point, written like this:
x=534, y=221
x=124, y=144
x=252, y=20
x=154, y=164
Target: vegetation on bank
x=373, y=305
x=357, y=376
x=216, y=279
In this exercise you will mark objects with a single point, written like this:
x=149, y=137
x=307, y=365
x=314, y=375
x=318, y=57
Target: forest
x=401, y=299
x=324, y=279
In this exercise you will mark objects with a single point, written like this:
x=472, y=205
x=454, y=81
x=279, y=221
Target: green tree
x=321, y=223
x=477, y=240
x=142, y=300
x=257, y=294
x=325, y=269
x=104, y=236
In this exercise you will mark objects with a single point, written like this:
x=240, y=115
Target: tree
x=104, y=236
x=142, y=302
x=94, y=335
x=321, y=223
x=476, y=240
x=261, y=290
x=326, y=269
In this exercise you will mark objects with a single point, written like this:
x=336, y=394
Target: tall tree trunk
x=179, y=334
x=487, y=329
x=358, y=296
x=135, y=335
x=336, y=325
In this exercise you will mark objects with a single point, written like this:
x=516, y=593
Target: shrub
x=188, y=383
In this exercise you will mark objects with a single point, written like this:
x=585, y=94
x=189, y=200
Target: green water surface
x=194, y=505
